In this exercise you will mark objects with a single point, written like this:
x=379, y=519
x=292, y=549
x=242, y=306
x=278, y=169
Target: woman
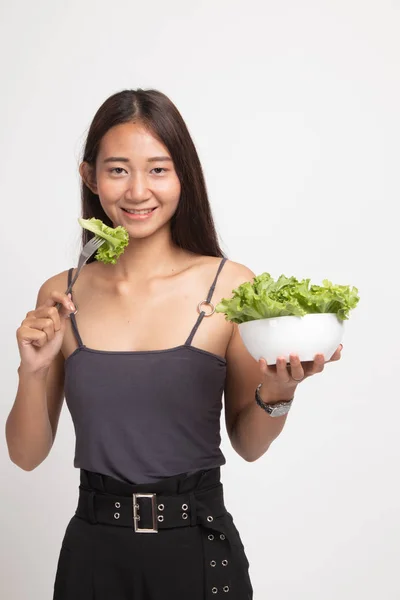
x=143, y=374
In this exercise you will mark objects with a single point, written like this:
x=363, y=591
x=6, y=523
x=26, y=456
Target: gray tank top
x=141, y=416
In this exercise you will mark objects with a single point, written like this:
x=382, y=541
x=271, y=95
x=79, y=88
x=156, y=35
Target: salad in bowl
x=277, y=318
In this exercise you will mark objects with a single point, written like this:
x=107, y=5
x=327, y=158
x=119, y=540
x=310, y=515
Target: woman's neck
x=145, y=258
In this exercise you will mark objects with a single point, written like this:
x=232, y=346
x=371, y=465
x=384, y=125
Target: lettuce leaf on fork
x=116, y=239
x=266, y=298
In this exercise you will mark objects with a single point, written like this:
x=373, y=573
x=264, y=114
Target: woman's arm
x=251, y=429
x=32, y=423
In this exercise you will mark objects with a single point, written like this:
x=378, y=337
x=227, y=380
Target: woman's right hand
x=41, y=333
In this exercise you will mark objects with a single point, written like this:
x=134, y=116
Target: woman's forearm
x=28, y=429
x=255, y=430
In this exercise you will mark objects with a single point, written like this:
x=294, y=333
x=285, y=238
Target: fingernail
x=71, y=307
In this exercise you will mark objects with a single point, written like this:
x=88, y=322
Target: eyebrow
x=125, y=160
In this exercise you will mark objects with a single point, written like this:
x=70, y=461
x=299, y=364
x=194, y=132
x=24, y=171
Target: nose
x=137, y=190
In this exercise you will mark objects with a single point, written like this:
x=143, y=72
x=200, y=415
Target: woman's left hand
x=281, y=379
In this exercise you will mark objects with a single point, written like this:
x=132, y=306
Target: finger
x=296, y=368
x=337, y=354
x=268, y=370
x=46, y=312
x=46, y=325
x=64, y=300
x=36, y=337
x=263, y=366
x=282, y=370
x=318, y=365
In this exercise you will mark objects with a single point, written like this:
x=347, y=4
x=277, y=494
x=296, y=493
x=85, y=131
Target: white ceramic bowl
x=306, y=336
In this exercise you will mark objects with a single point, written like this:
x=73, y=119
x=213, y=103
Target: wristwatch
x=274, y=410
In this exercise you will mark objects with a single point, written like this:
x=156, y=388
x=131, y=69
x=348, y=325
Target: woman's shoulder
x=233, y=273
x=237, y=272
x=61, y=279
x=57, y=282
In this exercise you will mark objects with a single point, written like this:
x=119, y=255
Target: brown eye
x=119, y=169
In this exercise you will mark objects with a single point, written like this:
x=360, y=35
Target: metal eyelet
x=224, y=563
x=211, y=537
x=222, y=537
x=210, y=519
x=116, y=515
x=214, y=590
x=184, y=516
x=213, y=563
x=160, y=518
x=226, y=588
x=184, y=507
x=137, y=506
x=200, y=310
x=117, y=505
x=161, y=507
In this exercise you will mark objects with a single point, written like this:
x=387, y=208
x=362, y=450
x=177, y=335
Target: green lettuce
x=116, y=239
x=265, y=298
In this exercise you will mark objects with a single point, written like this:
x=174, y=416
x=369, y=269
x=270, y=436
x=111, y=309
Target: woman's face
x=135, y=180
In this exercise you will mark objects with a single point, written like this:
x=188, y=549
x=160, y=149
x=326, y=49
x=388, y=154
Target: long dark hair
x=192, y=225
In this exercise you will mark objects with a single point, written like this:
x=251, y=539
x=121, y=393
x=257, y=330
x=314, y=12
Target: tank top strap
x=207, y=301
x=72, y=317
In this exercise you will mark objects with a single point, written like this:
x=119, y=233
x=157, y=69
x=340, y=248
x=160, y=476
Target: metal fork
x=87, y=251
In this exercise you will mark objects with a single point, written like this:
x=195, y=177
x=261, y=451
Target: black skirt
x=178, y=541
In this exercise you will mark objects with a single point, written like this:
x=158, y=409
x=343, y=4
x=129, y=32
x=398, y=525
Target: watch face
x=279, y=411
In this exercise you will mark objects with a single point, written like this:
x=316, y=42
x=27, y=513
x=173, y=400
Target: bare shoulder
x=238, y=273
x=59, y=282
x=233, y=271
x=234, y=274
x=56, y=283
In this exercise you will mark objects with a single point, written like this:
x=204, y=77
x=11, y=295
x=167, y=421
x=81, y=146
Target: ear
x=88, y=175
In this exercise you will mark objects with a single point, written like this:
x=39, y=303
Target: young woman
x=143, y=360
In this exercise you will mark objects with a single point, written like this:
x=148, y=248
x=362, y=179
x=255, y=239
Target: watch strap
x=270, y=408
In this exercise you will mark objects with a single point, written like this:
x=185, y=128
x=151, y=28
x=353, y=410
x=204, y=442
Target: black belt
x=149, y=512
x=225, y=563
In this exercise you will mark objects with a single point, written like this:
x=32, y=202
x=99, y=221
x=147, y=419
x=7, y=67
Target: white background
x=294, y=109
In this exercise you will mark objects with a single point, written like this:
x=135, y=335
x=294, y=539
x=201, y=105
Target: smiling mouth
x=139, y=212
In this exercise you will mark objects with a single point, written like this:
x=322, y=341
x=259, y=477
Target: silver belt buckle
x=136, y=516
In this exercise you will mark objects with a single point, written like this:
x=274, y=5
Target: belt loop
x=101, y=482
x=96, y=481
x=84, y=480
x=193, y=509
x=91, y=513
